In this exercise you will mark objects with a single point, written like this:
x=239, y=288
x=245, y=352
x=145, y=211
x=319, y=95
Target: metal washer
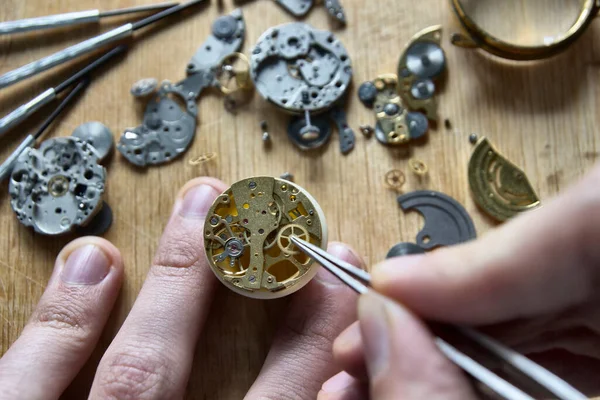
x=425, y=59
x=422, y=89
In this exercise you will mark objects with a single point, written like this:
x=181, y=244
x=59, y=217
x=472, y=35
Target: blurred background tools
x=24, y=111
x=7, y=166
x=73, y=18
x=87, y=46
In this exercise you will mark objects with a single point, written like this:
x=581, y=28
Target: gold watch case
x=476, y=37
x=246, y=237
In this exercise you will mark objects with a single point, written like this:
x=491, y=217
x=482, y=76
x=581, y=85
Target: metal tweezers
x=354, y=277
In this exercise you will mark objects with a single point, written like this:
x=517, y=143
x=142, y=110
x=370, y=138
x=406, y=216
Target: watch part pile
x=247, y=231
x=305, y=72
x=499, y=187
x=395, y=124
x=404, y=103
x=58, y=187
x=169, y=124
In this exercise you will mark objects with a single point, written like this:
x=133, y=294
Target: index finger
x=543, y=261
x=151, y=356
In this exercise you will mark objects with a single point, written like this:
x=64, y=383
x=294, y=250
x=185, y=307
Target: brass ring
x=241, y=76
x=418, y=167
x=476, y=37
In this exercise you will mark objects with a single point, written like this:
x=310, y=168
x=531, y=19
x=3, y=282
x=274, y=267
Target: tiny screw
x=214, y=220
x=252, y=185
x=473, y=138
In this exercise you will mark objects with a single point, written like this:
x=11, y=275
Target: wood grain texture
x=542, y=116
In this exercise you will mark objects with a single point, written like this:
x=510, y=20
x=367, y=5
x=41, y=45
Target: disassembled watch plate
x=446, y=220
x=420, y=66
x=247, y=231
x=58, y=188
x=499, y=187
x=297, y=68
x=168, y=129
x=395, y=124
x=304, y=71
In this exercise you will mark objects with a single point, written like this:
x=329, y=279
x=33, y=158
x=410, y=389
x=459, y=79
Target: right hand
x=532, y=283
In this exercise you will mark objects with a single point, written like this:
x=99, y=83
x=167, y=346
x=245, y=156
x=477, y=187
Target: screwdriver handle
x=49, y=21
x=24, y=111
x=65, y=55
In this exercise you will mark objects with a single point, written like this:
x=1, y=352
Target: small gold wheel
x=283, y=238
x=395, y=179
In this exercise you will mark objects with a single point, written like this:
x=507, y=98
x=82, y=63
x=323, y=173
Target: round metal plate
x=97, y=135
x=425, y=59
x=297, y=68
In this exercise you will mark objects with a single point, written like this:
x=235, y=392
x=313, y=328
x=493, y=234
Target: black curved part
x=404, y=249
x=99, y=224
x=446, y=220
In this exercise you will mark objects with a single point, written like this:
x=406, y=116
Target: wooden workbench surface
x=544, y=117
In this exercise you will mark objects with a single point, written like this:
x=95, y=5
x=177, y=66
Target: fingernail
x=87, y=265
x=340, y=251
x=198, y=200
x=337, y=383
x=374, y=326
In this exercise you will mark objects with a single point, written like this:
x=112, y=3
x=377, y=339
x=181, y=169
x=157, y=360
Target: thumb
x=402, y=359
x=541, y=262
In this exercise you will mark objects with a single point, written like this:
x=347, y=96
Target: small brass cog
x=283, y=237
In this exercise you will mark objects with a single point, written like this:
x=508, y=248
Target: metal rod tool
x=24, y=111
x=73, y=18
x=87, y=46
x=7, y=166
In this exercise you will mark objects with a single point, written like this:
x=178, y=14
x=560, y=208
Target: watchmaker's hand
x=151, y=356
x=532, y=283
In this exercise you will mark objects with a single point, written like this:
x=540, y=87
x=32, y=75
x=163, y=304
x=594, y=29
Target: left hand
x=151, y=356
